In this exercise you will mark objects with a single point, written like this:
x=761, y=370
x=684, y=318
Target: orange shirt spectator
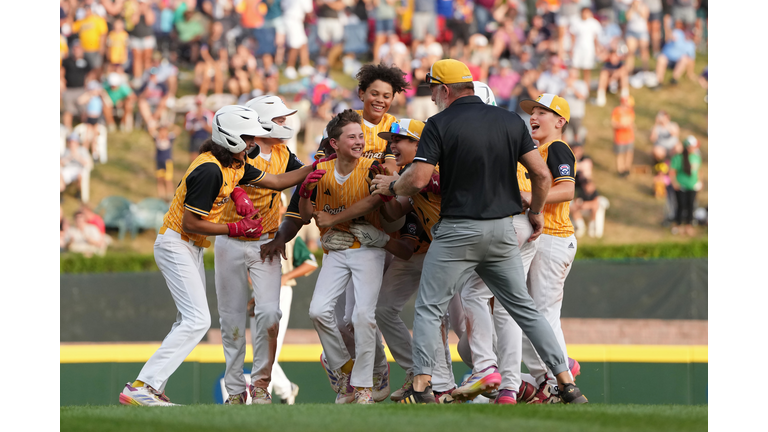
x=117, y=43
x=623, y=117
x=251, y=13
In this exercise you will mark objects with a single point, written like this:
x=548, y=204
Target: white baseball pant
x=181, y=264
x=546, y=280
x=364, y=266
x=508, y=336
x=280, y=382
x=401, y=281
x=234, y=260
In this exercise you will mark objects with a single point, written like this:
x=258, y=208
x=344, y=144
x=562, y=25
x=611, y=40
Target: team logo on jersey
x=333, y=211
x=564, y=169
x=327, y=192
x=412, y=228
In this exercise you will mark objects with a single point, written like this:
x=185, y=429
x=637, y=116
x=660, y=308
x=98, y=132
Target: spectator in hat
x=123, y=100
x=94, y=100
x=74, y=71
x=684, y=173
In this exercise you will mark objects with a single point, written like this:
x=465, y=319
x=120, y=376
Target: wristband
x=535, y=213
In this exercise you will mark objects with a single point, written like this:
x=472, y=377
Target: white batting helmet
x=268, y=107
x=230, y=122
x=484, y=92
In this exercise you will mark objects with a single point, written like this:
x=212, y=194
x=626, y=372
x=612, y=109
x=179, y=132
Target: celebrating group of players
x=374, y=247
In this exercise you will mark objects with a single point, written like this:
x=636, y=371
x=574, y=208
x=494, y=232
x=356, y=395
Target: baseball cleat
x=486, y=380
x=381, y=385
x=238, y=399
x=407, y=385
x=332, y=377
x=346, y=392
x=572, y=395
x=444, y=397
x=506, y=397
x=364, y=395
x=291, y=399
x=546, y=394
x=411, y=396
x=142, y=396
x=526, y=392
x=260, y=396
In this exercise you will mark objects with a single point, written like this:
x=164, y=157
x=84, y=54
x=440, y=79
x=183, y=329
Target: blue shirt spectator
x=445, y=8
x=679, y=46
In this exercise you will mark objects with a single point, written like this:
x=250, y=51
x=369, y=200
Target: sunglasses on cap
x=429, y=79
x=399, y=130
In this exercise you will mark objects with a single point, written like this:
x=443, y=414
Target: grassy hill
x=634, y=216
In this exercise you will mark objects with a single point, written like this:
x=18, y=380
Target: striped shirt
x=204, y=190
x=281, y=160
x=333, y=197
x=562, y=164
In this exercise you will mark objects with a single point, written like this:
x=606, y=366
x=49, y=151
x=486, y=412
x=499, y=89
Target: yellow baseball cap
x=449, y=71
x=550, y=102
x=405, y=127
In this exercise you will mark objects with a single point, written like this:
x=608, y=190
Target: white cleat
x=142, y=396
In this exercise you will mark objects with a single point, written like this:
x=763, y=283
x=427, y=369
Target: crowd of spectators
x=121, y=61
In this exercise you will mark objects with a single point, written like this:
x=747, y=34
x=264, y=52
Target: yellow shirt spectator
x=63, y=48
x=90, y=29
x=117, y=43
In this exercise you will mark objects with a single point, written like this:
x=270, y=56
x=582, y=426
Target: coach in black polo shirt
x=477, y=147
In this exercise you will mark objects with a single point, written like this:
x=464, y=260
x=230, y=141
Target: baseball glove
x=369, y=235
x=337, y=240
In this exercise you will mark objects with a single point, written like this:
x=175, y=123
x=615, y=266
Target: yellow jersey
x=205, y=190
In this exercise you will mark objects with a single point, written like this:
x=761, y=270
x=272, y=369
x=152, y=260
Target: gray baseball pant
x=489, y=247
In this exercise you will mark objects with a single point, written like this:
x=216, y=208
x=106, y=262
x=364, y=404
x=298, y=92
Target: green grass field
x=386, y=418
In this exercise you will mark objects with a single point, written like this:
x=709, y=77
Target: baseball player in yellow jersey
x=557, y=244
x=363, y=262
x=194, y=214
x=237, y=258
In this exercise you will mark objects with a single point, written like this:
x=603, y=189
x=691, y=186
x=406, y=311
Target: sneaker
x=486, y=380
x=573, y=365
x=260, y=396
x=238, y=399
x=332, y=377
x=572, y=395
x=290, y=73
x=381, y=385
x=291, y=399
x=445, y=397
x=411, y=396
x=493, y=394
x=407, y=385
x=546, y=394
x=506, y=397
x=526, y=392
x=364, y=395
x=346, y=393
x=306, y=71
x=600, y=100
x=142, y=396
